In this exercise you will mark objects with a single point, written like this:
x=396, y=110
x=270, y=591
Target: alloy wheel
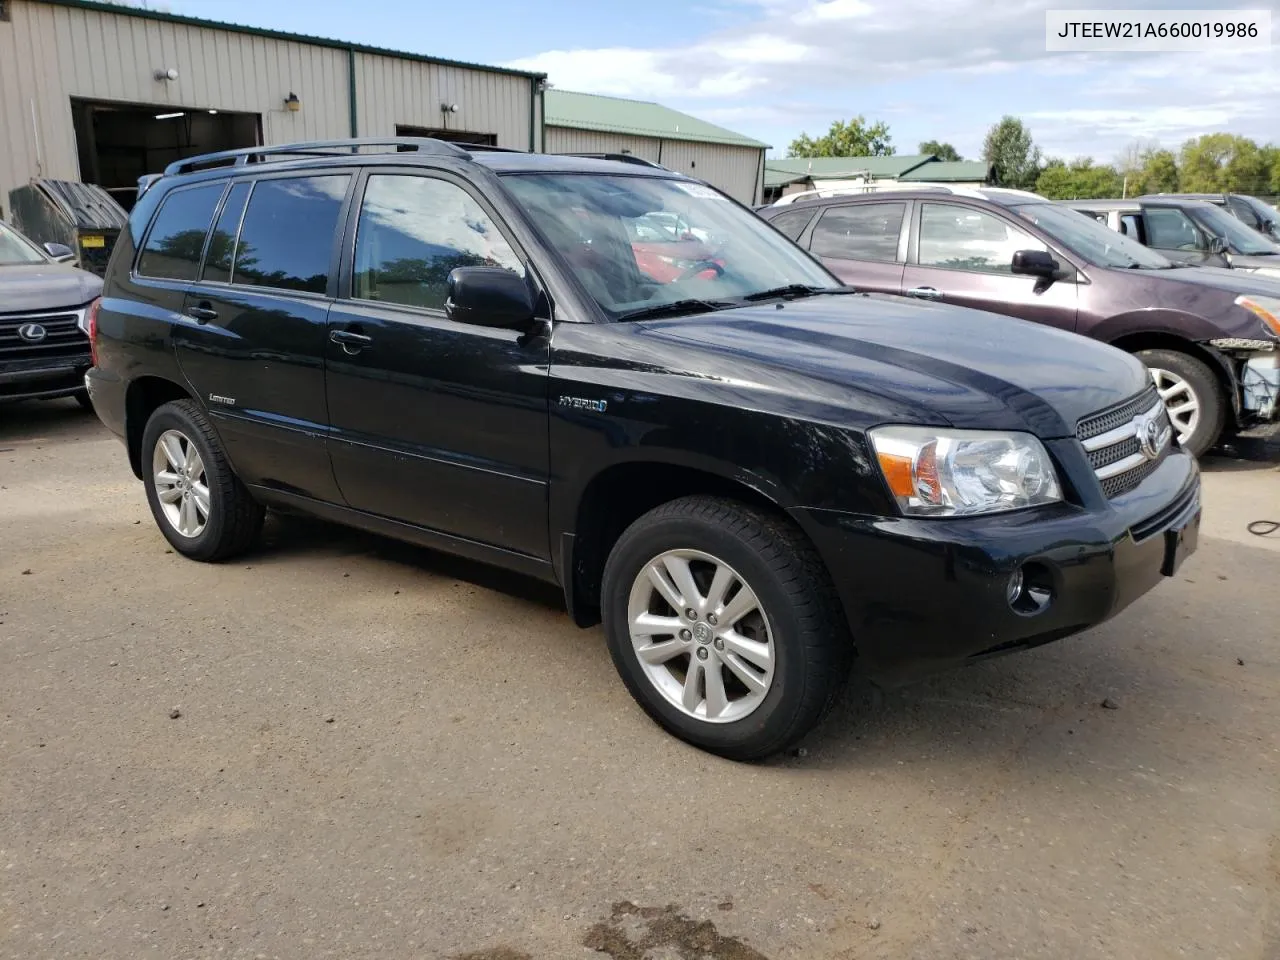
x=178, y=472
x=1180, y=401
x=701, y=636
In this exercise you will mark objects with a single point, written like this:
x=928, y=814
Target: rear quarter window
x=176, y=239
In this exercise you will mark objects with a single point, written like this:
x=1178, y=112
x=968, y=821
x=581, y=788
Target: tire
x=232, y=519
x=1181, y=377
x=82, y=398
x=798, y=621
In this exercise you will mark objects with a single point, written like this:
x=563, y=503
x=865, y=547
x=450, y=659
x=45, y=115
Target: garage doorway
x=452, y=136
x=120, y=142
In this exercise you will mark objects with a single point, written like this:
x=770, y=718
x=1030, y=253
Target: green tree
x=1157, y=174
x=856, y=138
x=1010, y=149
x=1223, y=162
x=1272, y=155
x=1078, y=180
x=943, y=151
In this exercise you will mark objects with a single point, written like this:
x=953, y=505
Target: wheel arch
x=620, y=493
x=143, y=396
x=1162, y=339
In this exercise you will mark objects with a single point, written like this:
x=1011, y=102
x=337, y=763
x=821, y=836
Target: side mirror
x=1217, y=245
x=1035, y=263
x=59, y=251
x=489, y=297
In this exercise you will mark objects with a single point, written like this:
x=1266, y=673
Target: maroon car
x=1210, y=337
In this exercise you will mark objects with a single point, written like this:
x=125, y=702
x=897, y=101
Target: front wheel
x=1191, y=394
x=722, y=621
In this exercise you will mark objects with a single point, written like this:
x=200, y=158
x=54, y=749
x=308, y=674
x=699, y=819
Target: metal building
x=587, y=123
x=105, y=93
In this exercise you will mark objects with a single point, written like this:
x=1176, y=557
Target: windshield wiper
x=795, y=290
x=674, y=308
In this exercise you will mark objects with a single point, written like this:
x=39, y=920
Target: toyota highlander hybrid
x=756, y=478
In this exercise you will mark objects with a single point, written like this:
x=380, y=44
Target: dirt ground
x=384, y=752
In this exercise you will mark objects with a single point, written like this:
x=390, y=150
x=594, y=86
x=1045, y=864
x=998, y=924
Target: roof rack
x=246, y=155
x=619, y=157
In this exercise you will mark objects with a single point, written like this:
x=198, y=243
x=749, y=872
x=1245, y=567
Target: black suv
x=754, y=476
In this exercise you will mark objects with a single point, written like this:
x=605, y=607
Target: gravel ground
x=341, y=746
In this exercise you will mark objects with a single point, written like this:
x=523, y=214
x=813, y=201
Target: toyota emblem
x=32, y=332
x=1147, y=431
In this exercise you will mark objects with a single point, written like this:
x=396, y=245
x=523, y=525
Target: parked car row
x=1208, y=336
x=755, y=476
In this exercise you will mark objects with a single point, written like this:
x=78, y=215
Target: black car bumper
x=107, y=392
x=42, y=378
x=924, y=595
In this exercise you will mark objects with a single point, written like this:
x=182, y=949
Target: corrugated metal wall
x=735, y=170
x=391, y=91
x=51, y=53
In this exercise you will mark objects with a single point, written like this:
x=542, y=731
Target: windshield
x=639, y=244
x=1240, y=238
x=1086, y=237
x=15, y=249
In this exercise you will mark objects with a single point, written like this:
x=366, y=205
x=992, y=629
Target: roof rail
x=246, y=155
x=619, y=157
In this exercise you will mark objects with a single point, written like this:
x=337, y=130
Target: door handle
x=925, y=293
x=202, y=313
x=350, y=341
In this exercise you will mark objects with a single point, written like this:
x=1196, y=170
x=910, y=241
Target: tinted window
x=793, y=222
x=222, y=243
x=1244, y=212
x=287, y=234
x=413, y=231
x=1170, y=229
x=176, y=240
x=866, y=231
x=968, y=239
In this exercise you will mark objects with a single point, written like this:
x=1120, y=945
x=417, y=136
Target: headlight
x=950, y=473
x=1266, y=309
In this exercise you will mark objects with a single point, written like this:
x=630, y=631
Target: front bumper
x=925, y=595
x=42, y=379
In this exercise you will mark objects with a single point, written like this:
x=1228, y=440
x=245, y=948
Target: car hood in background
x=45, y=287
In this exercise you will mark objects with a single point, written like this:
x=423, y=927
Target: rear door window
x=864, y=231
x=287, y=236
x=176, y=240
x=793, y=222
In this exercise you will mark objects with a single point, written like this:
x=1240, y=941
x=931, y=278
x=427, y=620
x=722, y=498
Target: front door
x=1173, y=234
x=963, y=255
x=435, y=423
x=860, y=244
x=253, y=344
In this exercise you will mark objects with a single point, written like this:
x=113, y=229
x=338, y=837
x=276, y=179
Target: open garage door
x=120, y=142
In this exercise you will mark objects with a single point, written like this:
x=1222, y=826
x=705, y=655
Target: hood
x=1222, y=278
x=1269, y=264
x=895, y=360
x=45, y=287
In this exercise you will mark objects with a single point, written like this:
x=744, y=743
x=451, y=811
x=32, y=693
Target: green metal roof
x=780, y=178
x=846, y=168
x=146, y=14
x=638, y=118
x=951, y=171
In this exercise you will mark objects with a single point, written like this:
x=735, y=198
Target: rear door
x=254, y=337
x=864, y=244
x=963, y=255
x=436, y=423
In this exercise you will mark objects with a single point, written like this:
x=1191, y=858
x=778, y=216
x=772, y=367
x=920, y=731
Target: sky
x=772, y=69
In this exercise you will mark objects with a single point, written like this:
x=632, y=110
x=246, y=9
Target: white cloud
x=793, y=65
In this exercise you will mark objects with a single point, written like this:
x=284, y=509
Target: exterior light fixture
x=292, y=102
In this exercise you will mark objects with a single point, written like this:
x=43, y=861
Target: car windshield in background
x=648, y=245
x=1086, y=237
x=1242, y=239
x=15, y=250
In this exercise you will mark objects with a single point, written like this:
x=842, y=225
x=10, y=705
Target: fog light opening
x=1030, y=589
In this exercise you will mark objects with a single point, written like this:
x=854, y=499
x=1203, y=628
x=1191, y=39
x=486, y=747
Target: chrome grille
x=63, y=337
x=1114, y=447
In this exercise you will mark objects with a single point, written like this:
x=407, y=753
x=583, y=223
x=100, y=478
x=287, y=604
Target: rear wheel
x=200, y=505
x=723, y=624
x=1192, y=395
